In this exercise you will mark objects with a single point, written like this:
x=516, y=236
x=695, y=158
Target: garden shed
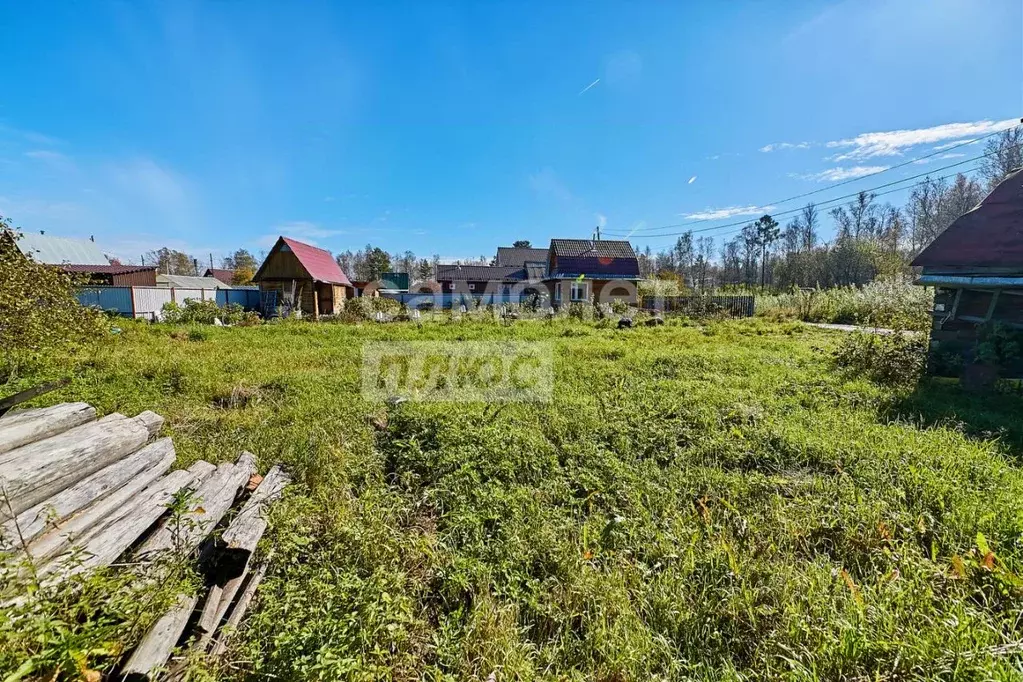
x=298, y=276
x=976, y=266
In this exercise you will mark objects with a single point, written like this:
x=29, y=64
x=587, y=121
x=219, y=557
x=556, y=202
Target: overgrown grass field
x=708, y=501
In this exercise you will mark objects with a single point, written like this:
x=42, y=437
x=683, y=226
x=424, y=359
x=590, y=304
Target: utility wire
x=797, y=210
x=838, y=184
x=878, y=194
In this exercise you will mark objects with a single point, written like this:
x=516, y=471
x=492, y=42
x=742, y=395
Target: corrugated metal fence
x=148, y=302
x=735, y=306
x=448, y=300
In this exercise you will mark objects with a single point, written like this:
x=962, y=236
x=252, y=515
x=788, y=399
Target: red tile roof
x=988, y=236
x=318, y=262
x=105, y=269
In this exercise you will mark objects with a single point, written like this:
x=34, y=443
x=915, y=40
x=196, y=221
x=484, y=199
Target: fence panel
x=149, y=301
x=246, y=298
x=448, y=300
x=182, y=295
x=107, y=298
x=735, y=306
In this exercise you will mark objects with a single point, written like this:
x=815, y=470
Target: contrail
x=589, y=86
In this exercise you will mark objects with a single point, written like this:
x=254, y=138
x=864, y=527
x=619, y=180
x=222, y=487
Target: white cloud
x=777, y=146
x=601, y=219
x=589, y=86
x=52, y=158
x=949, y=145
x=940, y=157
x=838, y=174
x=691, y=180
x=729, y=212
x=894, y=142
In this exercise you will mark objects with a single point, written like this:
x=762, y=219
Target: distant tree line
x=871, y=239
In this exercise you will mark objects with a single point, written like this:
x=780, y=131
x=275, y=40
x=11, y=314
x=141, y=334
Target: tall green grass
x=698, y=502
x=882, y=303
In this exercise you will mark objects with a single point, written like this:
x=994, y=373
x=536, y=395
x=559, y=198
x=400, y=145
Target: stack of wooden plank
x=78, y=493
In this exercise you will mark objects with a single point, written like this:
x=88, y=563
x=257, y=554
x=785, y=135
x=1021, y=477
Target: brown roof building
x=115, y=275
x=976, y=266
x=301, y=277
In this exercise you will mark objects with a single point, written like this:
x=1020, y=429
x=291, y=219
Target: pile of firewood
x=77, y=494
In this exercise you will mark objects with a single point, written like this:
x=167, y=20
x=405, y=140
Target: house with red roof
x=298, y=277
x=976, y=267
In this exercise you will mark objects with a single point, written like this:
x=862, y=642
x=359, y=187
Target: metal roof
x=106, y=269
x=989, y=235
x=970, y=281
x=190, y=282
x=318, y=262
x=480, y=273
x=592, y=248
x=57, y=250
x=518, y=257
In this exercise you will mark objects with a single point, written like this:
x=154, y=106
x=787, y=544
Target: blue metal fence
x=449, y=300
x=246, y=298
x=107, y=298
x=148, y=301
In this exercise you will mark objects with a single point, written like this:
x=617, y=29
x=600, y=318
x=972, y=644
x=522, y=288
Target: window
x=472, y=286
x=1009, y=308
x=974, y=305
x=579, y=291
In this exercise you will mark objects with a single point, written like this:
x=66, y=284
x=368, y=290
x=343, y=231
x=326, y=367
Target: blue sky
x=452, y=128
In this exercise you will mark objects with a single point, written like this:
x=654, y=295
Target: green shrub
x=205, y=312
x=896, y=359
x=40, y=316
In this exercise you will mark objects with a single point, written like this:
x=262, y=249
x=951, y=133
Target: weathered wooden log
x=210, y=502
x=33, y=472
x=30, y=393
x=238, y=612
x=101, y=512
x=101, y=546
x=27, y=426
x=211, y=615
x=147, y=465
x=242, y=536
x=152, y=654
x=218, y=601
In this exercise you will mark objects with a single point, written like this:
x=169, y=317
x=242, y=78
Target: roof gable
x=317, y=262
x=224, y=275
x=592, y=248
x=988, y=236
x=597, y=258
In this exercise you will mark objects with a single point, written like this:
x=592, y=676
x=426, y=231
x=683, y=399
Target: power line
x=877, y=194
x=797, y=210
x=839, y=184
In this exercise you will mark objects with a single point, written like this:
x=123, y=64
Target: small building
x=302, y=277
x=976, y=267
x=220, y=274
x=600, y=270
x=114, y=275
x=479, y=279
